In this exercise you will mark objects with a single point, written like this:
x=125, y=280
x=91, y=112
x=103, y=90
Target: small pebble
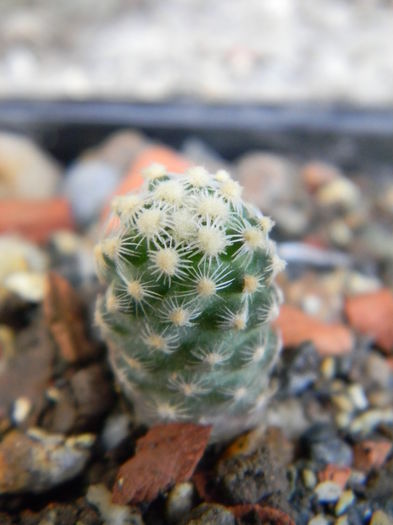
x=115, y=431
x=37, y=461
x=346, y=499
x=358, y=396
x=339, y=192
x=209, y=514
x=29, y=286
x=357, y=477
x=323, y=445
x=381, y=518
x=179, y=501
x=26, y=170
x=343, y=403
x=309, y=478
x=87, y=185
x=343, y=419
x=112, y=514
x=21, y=409
x=18, y=255
x=328, y=368
x=320, y=519
x=367, y=421
x=328, y=492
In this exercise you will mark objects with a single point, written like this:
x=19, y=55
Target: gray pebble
x=251, y=478
x=324, y=446
x=88, y=185
x=209, y=514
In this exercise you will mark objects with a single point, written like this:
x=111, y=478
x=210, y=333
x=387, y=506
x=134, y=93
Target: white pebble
x=29, y=286
x=328, y=492
x=309, y=478
x=346, y=499
x=21, y=409
x=116, y=429
x=367, y=421
x=320, y=519
x=99, y=496
x=358, y=396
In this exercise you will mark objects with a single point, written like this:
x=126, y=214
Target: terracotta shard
x=167, y=454
x=133, y=180
x=65, y=319
x=371, y=454
x=297, y=327
x=35, y=219
x=372, y=314
x=335, y=473
x=265, y=514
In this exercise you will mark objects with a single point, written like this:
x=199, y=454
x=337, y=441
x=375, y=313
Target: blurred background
x=269, y=51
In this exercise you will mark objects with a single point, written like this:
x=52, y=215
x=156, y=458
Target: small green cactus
x=190, y=271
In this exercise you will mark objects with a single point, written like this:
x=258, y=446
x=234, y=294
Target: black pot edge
x=345, y=135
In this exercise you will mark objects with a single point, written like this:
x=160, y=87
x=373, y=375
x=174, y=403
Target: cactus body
x=190, y=294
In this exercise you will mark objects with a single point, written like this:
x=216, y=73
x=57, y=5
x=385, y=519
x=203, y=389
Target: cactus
x=189, y=271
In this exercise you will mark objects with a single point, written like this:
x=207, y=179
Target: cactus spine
x=190, y=294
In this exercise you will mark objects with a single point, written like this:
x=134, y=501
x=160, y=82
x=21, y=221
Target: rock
x=201, y=154
x=87, y=186
x=29, y=286
x=320, y=519
x=251, y=478
x=272, y=184
x=112, y=514
x=116, y=430
x=288, y=415
x=339, y=475
x=370, y=419
x=98, y=172
x=93, y=396
x=179, y=501
x=301, y=369
x=380, y=483
x=324, y=446
x=25, y=170
x=371, y=454
x=18, y=255
x=340, y=192
x=272, y=438
x=72, y=256
x=77, y=512
x=37, y=461
x=380, y=518
x=209, y=514
x=346, y=499
x=118, y=150
x=328, y=492
x=34, y=353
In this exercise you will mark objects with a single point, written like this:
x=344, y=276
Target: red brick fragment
x=64, y=316
x=297, y=327
x=174, y=162
x=338, y=475
x=35, y=220
x=372, y=314
x=370, y=454
x=265, y=514
x=166, y=455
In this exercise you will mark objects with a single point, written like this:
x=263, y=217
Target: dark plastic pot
x=350, y=137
